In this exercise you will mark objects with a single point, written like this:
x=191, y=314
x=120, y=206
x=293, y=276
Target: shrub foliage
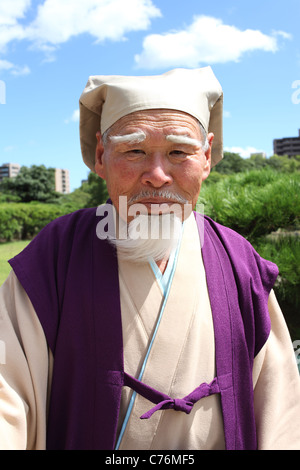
x=264, y=206
x=21, y=221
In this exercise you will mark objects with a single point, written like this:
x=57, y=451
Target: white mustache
x=162, y=193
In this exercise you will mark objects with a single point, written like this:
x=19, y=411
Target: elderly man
x=120, y=341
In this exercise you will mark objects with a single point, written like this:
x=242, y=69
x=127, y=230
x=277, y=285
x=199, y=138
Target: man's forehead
x=141, y=134
x=162, y=118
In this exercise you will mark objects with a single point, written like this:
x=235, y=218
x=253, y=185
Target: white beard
x=149, y=237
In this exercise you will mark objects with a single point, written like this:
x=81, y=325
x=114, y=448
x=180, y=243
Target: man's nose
x=157, y=173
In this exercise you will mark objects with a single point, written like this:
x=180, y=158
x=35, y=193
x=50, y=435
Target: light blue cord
x=133, y=396
x=163, y=279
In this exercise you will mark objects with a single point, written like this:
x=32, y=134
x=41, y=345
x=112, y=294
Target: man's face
x=148, y=152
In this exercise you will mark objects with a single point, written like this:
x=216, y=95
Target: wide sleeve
x=24, y=371
x=277, y=387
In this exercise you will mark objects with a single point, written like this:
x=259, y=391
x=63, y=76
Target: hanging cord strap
x=164, y=402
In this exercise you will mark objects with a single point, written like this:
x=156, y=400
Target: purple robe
x=71, y=278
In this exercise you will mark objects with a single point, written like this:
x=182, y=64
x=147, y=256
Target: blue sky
x=48, y=49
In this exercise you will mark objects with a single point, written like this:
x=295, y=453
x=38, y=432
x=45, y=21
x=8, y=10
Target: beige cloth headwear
x=106, y=99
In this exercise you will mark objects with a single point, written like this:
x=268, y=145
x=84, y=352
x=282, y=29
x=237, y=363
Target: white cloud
x=206, y=41
x=14, y=69
x=244, y=152
x=283, y=34
x=10, y=11
x=56, y=21
x=20, y=70
x=74, y=117
x=10, y=30
x=5, y=65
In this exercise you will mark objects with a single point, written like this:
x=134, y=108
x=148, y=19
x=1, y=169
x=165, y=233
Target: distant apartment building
x=62, y=181
x=259, y=154
x=9, y=170
x=287, y=146
x=61, y=177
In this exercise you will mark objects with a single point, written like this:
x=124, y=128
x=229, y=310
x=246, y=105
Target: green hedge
x=284, y=251
x=22, y=221
x=264, y=207
x=254, y=203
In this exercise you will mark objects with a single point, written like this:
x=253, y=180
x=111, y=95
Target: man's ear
x=207, y=166
x=99, y=167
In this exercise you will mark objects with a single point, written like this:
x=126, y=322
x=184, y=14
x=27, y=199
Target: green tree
x=232, y=163
x=284, y=163
x=91, y=193
x=96, y=187
x=36, y=183
x=257, y=161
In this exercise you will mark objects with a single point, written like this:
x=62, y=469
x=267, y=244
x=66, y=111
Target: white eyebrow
x=134, y=137
x=140, y=136
x=184, y=139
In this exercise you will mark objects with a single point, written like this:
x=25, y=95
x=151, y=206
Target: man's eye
x=134, y=154
x=136, y=151
x=178, y=153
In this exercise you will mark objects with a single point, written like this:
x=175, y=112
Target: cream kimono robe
x=168, y=338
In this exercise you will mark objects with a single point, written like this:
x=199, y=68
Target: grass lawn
x=7, y=251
